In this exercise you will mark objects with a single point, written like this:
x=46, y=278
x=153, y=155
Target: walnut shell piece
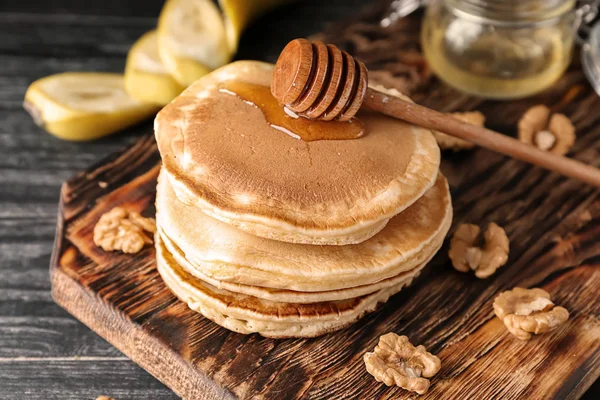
x=396, y=361
x=120, y=229
x=447, y=142
x=549, y=132
x=527, y=311
x=466, y=254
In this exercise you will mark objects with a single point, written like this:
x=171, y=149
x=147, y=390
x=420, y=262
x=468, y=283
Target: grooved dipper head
x=319, y=81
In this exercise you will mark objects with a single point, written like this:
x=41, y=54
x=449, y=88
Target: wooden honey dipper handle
x=320, y=81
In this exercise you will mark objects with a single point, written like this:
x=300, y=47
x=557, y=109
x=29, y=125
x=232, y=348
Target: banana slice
x=84, y=105
x=192, y=39
x=146, y=78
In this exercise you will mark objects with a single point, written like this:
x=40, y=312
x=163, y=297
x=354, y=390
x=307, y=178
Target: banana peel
x=195, y=37
x=81, y=106
x=146, y=78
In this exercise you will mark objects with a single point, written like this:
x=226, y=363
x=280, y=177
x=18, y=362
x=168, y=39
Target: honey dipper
x=320, y=81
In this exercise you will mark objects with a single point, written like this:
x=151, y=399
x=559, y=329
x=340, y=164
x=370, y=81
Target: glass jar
x=499, y=49
x=591, y=57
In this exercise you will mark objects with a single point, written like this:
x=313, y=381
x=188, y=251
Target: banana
x=194, y=37
x=84, y=105
x=191, y=39
x=146, y=78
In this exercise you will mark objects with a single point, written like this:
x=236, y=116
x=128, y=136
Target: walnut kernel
x=466, y=254
x=527, y=311
x=447, y=142
x=554, y=133
x=544, y=140
x=120, y=229
x=396, y=361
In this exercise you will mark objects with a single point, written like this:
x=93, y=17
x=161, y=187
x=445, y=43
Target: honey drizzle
x=286, y=121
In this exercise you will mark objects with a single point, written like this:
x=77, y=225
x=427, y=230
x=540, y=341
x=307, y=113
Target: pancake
x=224, y=253
x=224, y=158
x=248, y=314
x=283, y=295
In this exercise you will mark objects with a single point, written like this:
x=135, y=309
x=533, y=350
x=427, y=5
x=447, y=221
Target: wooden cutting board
x=553, y=224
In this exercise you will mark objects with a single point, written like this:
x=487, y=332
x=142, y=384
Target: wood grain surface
x=553, y=224
x=123, y=299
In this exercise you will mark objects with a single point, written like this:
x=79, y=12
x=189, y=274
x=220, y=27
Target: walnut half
x=120, y=229
x=553, y=133
x=527, y=311
x=466, y=254
x=396, y=361
x=447, y=142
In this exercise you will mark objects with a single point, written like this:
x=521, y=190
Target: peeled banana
x=194, y=37
x=84, y=105
x=191, y=39
x=146, y=78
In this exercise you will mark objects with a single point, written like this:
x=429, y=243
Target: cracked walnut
x=554, y=133
x=527, y=311
x=120, y=229
x=466, y=253
x=396, y=361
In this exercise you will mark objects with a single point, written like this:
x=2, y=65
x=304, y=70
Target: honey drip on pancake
x=286, y=121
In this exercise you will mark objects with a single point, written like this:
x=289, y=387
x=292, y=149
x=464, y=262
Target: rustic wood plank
x=503, y=367
x=34, y=332
x=31, y=158
x=62, y=337
x=147, y=8
x=290, y=366
x=154, y=353
x=29, y=303
x=60, y=36
x=67, y=378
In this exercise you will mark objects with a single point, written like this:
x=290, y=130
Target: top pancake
x=223, y=157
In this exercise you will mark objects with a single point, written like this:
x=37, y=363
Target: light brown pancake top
x=224, y=151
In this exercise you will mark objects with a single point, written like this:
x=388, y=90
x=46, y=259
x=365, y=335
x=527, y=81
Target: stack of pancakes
x=262, y=232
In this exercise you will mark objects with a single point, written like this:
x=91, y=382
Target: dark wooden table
x=44, y=352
